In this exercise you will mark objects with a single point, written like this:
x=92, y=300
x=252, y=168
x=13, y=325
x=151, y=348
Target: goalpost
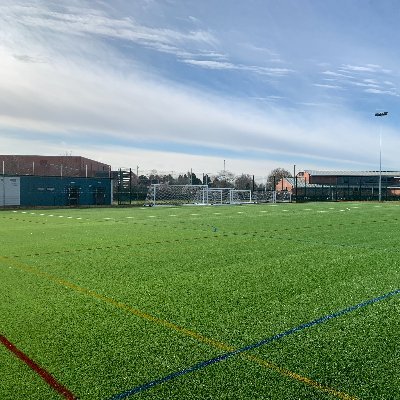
x=228, y=196
x=240, y=196
x=165, y=194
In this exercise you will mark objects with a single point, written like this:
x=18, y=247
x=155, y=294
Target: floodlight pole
x=380, y=162
x=380, y=114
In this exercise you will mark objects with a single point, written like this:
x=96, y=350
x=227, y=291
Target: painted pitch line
x=253, y=346
x=182, y=330
x=187, y=332
x=46, y=376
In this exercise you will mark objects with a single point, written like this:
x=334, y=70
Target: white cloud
x=380, y=91
x=92, y=22
x=365, y=68
x=211, y=64
x=337, y=75
x=371, y=81
x=364, y=77
x=364, y=84
x=326, y=86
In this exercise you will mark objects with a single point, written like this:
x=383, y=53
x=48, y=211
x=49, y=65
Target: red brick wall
x=283, y=184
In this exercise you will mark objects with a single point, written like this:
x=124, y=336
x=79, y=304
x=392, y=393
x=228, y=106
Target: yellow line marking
x=300, y=378
x=203, y=339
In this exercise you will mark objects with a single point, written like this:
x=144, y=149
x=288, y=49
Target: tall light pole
x=380, y=114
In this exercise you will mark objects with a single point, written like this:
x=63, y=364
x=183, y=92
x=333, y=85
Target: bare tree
x=276, y=175
x=244, y=182
x=224, y=179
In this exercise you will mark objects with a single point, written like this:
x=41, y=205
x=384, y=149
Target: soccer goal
x=228, y=196
x=240, y=196
x=165, y=194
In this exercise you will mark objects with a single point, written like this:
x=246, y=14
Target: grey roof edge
x=352, y=173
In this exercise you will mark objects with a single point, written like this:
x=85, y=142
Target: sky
x=179, y=85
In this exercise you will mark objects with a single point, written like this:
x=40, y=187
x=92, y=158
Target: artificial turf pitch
x=228, y=302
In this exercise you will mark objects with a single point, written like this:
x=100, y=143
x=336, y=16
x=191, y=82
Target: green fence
x=343, y=193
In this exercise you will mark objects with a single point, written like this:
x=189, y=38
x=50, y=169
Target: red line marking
x=46, y=376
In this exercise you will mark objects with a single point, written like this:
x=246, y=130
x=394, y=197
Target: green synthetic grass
x=110, y=299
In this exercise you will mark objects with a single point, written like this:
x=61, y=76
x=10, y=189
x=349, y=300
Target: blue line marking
x=270, y=339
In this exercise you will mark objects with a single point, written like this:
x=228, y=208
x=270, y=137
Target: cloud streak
x=364, y=77
x=210, y=64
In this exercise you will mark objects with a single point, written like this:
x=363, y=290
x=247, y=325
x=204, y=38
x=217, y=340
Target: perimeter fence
x=138, y=195
x=345, y=193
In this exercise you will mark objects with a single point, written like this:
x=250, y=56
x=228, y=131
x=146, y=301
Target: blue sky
x=173, y=85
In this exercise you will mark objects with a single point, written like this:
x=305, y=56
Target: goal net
x=165, y=194
x=228, y=196
x=240, y=196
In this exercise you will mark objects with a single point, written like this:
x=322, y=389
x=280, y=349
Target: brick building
x=342, y=185
x=35, y=180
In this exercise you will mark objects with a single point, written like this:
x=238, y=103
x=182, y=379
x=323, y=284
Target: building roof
x=352, y=173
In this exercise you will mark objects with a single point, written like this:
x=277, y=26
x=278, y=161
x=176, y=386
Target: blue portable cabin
x=56, y=191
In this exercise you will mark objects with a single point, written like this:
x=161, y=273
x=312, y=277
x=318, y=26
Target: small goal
x=228, y=196
x=165, y=194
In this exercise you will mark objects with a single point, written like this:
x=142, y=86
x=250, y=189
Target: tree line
x=223, y=179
